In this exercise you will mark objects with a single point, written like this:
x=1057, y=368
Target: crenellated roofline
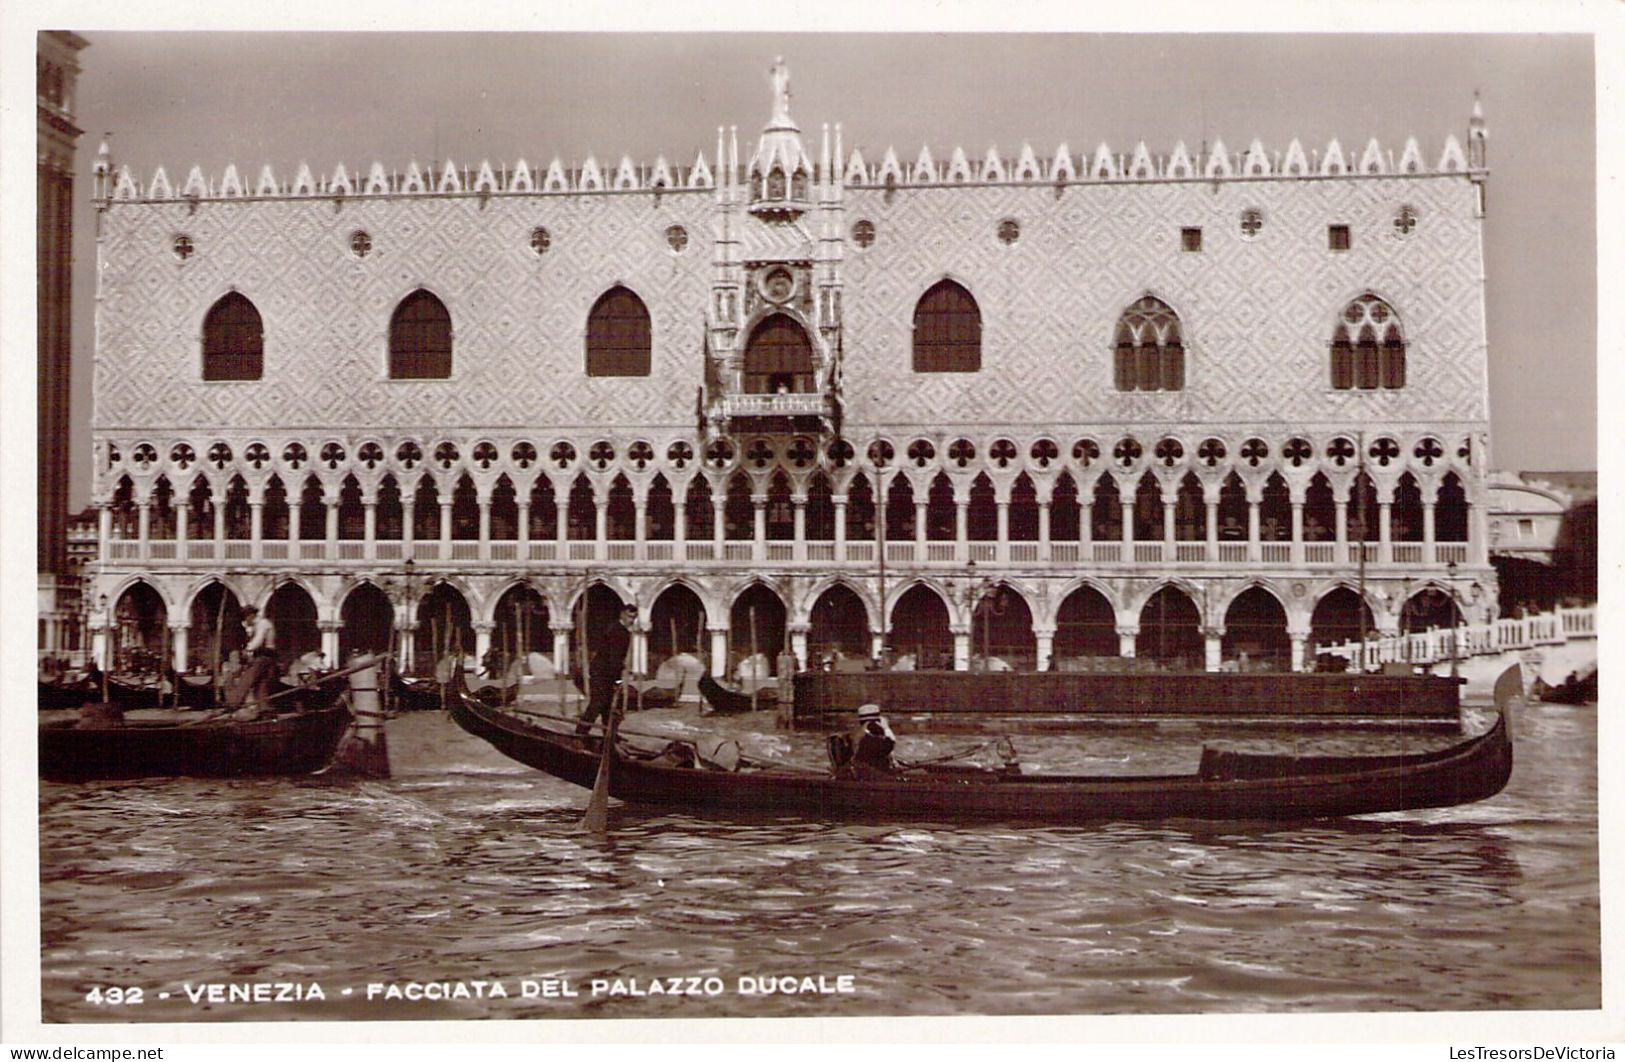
x=1103, y=165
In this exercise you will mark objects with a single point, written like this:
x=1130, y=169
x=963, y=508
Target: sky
x=205, y=98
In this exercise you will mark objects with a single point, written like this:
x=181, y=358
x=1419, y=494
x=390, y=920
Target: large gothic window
x=1368, y=348
x=947, y=330
x=420, y=339
x=618, y=335
x=1150, y=348
x=778, y=358
x=233, y=340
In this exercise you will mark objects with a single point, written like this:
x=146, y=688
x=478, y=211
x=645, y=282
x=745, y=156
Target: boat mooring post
x=366, y=752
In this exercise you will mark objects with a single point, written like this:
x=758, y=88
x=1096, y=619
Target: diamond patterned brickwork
x=518, y=319
x=1258, y=313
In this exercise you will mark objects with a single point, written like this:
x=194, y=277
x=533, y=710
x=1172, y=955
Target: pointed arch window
x=420, y=339
x=618, y=335
x=778, y=358
x=233, y=340
x=1150, y=348
x=947, y=330
x=1368, y=347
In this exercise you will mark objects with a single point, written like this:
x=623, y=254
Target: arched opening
x=293, y=614
x=1190, y=510
x=200, y=512
x=161, y=520
x=122, y=507
x=1429, y=608
x=1170, y=631
x=583, y=511
x=900, y=510
x=699, y=511
x=521, y=627
x=1002, y=632
x=445, y=628
x=465, y=510
x=390, y=515
x=239, y=522
x=1232, y=510
x=274, y=517
x=312, y=511
x=618, y=335
x=778, y=358
x=1149, y=349
x=860, y=510
x=738, y=513
x=820, y=510
x=1364, y=513
x=838, y=628
x=1275, y=510
x=1319, y=510
x=1148, y=510
x=660, y=511
x=1255, y=632
x=1338, y=618
x=1106, y=516
x=544, y=511
x=352, y=516
x=756, y=629
x=420, y=339
x=919, y=628
x=947, y=330
x=1450, y=514
x=597, y=612
x=1064, y=510
x=504, y=510
x=677, y=627
x=217, y=629
x=140, y=630
x=1023, y=510
x=1405, y=515
x=367, y=620
x=1085, y=626
x=426, y=511
x=622, y=517
x=781, y=514
x=233, y=340
x=982, y=519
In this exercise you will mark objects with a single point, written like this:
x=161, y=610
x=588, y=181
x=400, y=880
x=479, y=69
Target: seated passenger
x=873, y=742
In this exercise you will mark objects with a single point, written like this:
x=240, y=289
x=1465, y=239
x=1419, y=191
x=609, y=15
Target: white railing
x=385, y=550
x=623, y=551
x=1275, y=552
x=464, y=550
x=200, y=551
x=899, y=553
x=1188, y=552
x=1407, y=553
x=1232, y=553
x=161, y=549
x=1478, y=639
x=860, y=552
x=700, y=551
x=1024, y=553
x=661, y=551
x=984, y=552
x=426, y=550
x=940, y=551
x=1064, y=552
x=277, y=550
x=1107, y=552
x=1450, y=552
x=738, y=551
x=348, y=550
x=583, y=551
x=1148, y=553
x=781, y=551
x=238, y=549
x=1320, y=552
x=544, y=551
x=821, y=551
x=505, y=551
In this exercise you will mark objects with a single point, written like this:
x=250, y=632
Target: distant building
x=1187, y=405
x=1543, y=536
x=56, y=73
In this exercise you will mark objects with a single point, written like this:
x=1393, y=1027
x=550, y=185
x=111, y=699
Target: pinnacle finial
x=780, y=75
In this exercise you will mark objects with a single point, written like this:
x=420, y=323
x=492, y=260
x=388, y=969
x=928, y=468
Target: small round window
x=1009, y=231
x=1405, y=220
x=677, y=238
x=540, y=241
x=863, y=233
x=182, y=246
x=360, y=243
x=1252, y=222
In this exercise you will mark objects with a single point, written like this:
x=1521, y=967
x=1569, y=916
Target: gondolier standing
x=261, y=651
x=605, y=666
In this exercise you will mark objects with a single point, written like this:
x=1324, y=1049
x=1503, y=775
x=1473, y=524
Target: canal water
x=411, y=898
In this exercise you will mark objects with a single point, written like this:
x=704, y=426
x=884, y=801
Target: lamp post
x=980, y=597
x=1455, y=623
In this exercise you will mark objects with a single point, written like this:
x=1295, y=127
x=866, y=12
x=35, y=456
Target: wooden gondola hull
x=724, y=701
x=289, y=743
x=1474, y=770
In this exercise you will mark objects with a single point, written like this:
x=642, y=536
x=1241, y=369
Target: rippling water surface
x=466, y=867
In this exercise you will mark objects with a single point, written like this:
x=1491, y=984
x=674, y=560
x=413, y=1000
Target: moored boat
x=299, y=735
x=1225, y=786
x=724, y=701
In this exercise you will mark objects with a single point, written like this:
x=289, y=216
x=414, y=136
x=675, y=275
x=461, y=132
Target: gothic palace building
x=1184, y=406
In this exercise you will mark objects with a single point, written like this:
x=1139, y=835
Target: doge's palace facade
x=1051, y=408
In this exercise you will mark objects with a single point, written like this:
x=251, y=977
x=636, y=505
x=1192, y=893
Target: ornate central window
x=778, y=358
x=1150, y=349
x=1368, y=348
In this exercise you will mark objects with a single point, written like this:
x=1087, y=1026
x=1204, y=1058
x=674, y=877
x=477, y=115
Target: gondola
x=412, y=695
x=724, y=701
x=1573, y=690
x=299, y=736
x=1226, y=786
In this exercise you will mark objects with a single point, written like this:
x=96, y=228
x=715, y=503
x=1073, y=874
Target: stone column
x=1046, y=646
x=332, y=530
x=1254, y=552
x=640, y=528
x=798, y=645
x=482, y=642
x=143, y=524
x=561, y=650
x=1300, y=641
x=485, y=529
x=1385, y=533
x=798, y=503
x=183, y=530
x=961, y=530
x=1168, y=533
x=961, y=633
x=1212, y=647
x=1125, y=640
x=1043, y=531
x=330, y=640
x=1212, y=507
x=719, y=651
x=256, y=531
x=522, y=532
x=561, y=523
x=369, y=529
x=220, y=529
x=178, y=640
x=840, y=526
x=1002, y=549
x=1128, y=528
x=408, y=530
x=1479, y=534
x=640, y=650
x=1297, y=532
x=600, y=535
x=1343, y=556
x=758, y=523
x=445, y=529
x=408, y=634
x=679, y=511
x=719, y=531
x=920, y=537
x=1086, y=521
x=1428, y=553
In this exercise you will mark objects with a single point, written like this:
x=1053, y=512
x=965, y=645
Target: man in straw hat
x=874, y=741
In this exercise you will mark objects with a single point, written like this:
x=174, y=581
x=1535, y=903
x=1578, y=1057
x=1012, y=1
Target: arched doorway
x=1430, y=607
x=756, y=627
x=367, y=620
x=596, y=612
x=838, y=626
x=778, y=358
x=919, y=628
x=140, y=633
x=293, y=613
x=445, y=628
x=1170, y=630
x=1002, y=632
x=1085, y=626
x=1255, y=631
